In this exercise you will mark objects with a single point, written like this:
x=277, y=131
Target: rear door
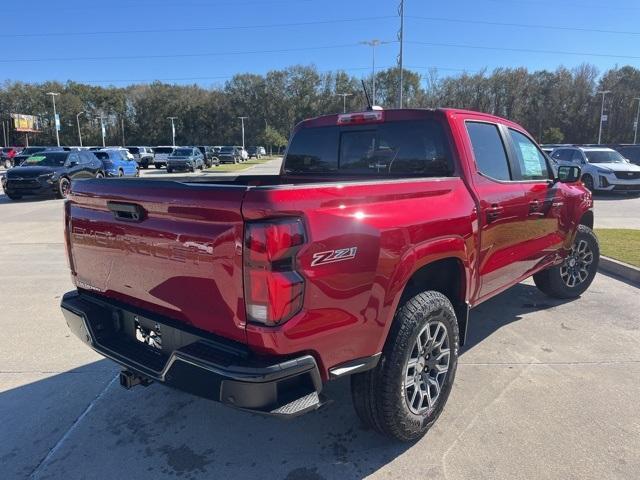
x=503, y=208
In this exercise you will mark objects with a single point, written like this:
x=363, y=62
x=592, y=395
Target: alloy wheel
x=575, y=268
x=427, y=367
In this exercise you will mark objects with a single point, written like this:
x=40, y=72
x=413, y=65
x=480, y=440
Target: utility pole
x=603, y=93
x=78, y=123
x=122, y=125
x=344, y=100
x=635, y=125
x=55, y=115
x=102, y=129
x=400, y=59
x=4, y=134
x=173, y=130
x=242, y=119
x=373, y=44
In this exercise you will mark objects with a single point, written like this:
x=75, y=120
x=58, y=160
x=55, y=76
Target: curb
x=627, y=272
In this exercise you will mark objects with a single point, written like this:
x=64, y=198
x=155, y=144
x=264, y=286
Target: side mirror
x=568, y=174
x=72, y=164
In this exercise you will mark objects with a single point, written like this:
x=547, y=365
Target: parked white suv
x=603, y=169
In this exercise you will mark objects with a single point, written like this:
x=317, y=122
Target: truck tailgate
x=181, y=257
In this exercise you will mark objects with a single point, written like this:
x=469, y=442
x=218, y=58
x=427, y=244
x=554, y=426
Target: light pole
x=78, y=123
x=603, y=93
x=400, y=59
x=242, y=119
x=173, y=130
x=344, y=100
x=373, y=44
x=635, y=125
x=102, y=129
x=55, y=115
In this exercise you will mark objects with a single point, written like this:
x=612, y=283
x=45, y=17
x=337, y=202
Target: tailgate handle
x=128, y=212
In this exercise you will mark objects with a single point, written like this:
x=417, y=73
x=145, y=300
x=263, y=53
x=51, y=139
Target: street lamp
x=78, y=123
x=603, y=93
x=173, y=130
x=102, y=129
x=373, y=44
x=635, y=125
x=55, y=115
x=242, y=119
x=344, y=100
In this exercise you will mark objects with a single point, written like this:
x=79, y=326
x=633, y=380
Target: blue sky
x=197, y=41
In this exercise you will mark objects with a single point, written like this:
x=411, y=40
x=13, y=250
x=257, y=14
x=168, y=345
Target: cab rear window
x=402, y=148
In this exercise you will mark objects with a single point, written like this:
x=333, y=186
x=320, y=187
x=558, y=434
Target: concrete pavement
x=545, y=389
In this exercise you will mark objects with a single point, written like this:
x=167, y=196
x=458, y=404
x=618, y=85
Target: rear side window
x=531, y=163
x=412, y=148
x=488, y=150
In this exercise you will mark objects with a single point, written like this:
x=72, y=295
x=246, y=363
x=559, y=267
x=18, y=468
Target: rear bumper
x=193, y=361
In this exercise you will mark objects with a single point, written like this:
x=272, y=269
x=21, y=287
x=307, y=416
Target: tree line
x=554, y=106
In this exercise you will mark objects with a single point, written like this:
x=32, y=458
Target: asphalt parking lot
x=545, y=389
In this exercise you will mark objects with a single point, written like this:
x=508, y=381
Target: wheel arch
x=448, y=276
x=587, y=219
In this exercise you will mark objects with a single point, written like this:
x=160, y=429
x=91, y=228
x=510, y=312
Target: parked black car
x=230, y=155
x=50, y=172
x=142, y=155
x=210, y=157
x=629, y=151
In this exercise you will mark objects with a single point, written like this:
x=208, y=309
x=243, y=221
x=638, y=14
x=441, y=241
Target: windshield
x=604, y=156
x=32, y=150
x=163, y=150
x=182, y=152
x=134, y=150
x=51, y=159
x=226, y=150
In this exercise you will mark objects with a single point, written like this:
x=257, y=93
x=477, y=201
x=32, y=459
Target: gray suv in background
x=142, y=155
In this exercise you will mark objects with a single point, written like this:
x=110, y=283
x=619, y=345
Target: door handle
x=494, y=211
x=128, y=212
x=534, y=206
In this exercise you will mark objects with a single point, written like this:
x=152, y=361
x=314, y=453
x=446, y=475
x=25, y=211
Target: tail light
x=67, y=237
x=273, y=289
x=373, y=116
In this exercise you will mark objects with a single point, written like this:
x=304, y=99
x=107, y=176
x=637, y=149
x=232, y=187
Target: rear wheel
x=575, y=274
x=99, y=175
x=120, y=173
x=404, y=395
x=169, y=170
x=588, y=182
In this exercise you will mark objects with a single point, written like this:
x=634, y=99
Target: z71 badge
x=332, y=256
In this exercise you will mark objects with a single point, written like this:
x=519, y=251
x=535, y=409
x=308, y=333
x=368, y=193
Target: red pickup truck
x=362, y=258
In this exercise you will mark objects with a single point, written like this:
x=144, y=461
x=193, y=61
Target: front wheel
x=404, y=395
x=571, y=278
x=99, y=175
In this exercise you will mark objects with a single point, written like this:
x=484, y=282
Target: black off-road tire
x=552, y=281
x=169, y=170
x=379, y=395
